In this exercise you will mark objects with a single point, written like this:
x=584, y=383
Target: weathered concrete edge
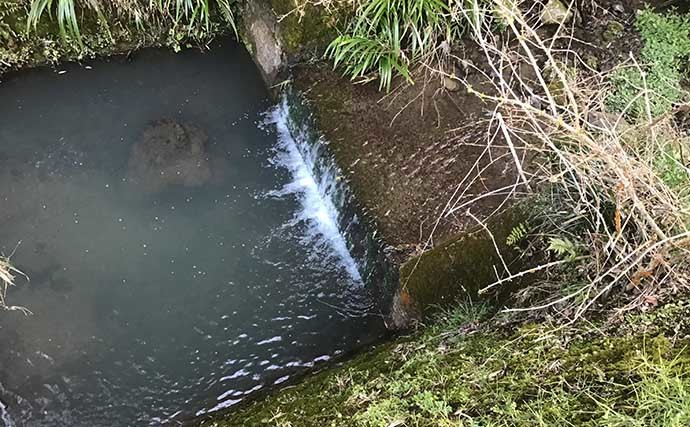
x=457, y=269
x=277, y=34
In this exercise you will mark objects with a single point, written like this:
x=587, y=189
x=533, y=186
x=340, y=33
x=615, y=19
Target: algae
x=459, y=268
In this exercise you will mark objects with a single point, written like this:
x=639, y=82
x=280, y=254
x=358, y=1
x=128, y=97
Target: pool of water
x=163, y=286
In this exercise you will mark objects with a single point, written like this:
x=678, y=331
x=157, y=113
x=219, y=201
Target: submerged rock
x=170, y=153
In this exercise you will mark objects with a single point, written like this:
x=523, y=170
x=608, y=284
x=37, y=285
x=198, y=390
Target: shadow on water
x=164, y=295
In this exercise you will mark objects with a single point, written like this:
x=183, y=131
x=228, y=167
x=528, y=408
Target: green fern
x=517, y=234
x=564, y=248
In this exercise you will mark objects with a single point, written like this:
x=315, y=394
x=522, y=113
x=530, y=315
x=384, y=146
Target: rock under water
x=169, y=154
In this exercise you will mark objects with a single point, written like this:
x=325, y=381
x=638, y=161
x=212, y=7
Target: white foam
x=318, y=209
x=5, y=416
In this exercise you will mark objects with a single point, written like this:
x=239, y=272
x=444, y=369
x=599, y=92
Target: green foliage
x=66, y=16
x=185, y=16
x=563, y=248
x=666, y=46
x=517, y=234
x=382, y=413
x=431, y=406
x=451, y=319
x=535, y=376
x=671, y=168
x=662, y=395
x=389, y=35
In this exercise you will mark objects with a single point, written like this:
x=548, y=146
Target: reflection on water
x=161, y=296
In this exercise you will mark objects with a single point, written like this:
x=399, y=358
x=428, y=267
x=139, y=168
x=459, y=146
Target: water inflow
x=163, y=296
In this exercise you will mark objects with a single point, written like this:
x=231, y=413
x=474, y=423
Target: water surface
x=158, y=300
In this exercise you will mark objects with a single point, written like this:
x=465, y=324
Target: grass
x=611, y=205
x=388, y=36
x=7, y=277
x=661, y=396
x=185, y=17
x=614, y=211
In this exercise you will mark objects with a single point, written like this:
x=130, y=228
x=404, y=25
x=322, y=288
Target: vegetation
x=611, y=217
x=185, y=16
x=38, y=31
x=613, y=197
x=653, y=87
x=7, y=276
x=389, y=35
x=468, y=373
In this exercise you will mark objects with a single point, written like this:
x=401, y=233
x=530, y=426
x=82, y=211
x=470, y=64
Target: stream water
x=163, y=286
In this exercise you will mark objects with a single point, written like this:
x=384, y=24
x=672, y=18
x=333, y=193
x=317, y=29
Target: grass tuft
x=388, y=36
x=185, y=17
x=7, y=279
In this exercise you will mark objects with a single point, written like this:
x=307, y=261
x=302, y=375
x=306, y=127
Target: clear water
x=159, y=305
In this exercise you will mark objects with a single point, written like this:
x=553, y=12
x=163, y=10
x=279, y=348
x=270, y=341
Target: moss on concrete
x=462, y=374
x=459, y=268
x=308, y=29
x=402, y=165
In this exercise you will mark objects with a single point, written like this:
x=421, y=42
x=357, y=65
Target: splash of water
x=5, y=416
x=317, y=191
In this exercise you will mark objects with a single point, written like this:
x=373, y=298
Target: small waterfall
x=5, y=416
x=317, y=193
x=328, y=202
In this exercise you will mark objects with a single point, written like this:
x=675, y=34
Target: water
x=162, y=297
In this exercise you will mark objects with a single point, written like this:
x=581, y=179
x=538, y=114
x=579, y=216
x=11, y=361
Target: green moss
x=613, y=30
x=537, y=375
x=459, y=268
x=309, y=28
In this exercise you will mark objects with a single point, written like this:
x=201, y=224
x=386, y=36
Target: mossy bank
x=103, y=30
x=466, y=370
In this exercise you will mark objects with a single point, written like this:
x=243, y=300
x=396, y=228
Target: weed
x=7, y=277
x=461, y=314
x=661, y=397
x=383, y=413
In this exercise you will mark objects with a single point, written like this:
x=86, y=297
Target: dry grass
x=8, y=274
x=618, y=224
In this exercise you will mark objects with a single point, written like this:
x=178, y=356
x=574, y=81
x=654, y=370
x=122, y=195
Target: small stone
x=555, y=12
x=451, y=83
